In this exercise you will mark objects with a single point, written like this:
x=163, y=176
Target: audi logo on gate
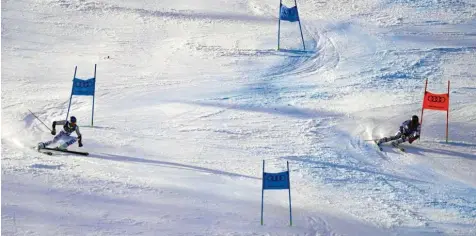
x=437, y=99
x=275, y=178
x=84, y=84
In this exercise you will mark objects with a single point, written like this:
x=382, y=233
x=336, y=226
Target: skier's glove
x=80, y=143
x=413, y=138
x=53, y=132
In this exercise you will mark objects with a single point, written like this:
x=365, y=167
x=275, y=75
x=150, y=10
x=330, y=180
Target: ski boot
x=62, y=146
x=396, y=145
x=40, y=146
x=382, y=140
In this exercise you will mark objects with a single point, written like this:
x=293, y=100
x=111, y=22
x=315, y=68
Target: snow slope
x=193, y=95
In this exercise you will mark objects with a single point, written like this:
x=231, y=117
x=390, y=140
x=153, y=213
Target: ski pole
x=39, y=119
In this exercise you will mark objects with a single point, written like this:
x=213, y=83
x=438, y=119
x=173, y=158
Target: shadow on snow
x=123, y=158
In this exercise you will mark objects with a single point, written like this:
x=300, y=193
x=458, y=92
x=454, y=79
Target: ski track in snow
x=185, y=116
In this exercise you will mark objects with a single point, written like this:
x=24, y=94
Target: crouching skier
x=409, y=131
x=68, y=128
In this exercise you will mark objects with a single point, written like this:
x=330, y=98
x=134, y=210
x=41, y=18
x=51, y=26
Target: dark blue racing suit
x=407, y=132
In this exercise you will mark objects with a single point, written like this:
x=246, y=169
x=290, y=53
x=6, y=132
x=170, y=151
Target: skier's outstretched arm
x=80, y=138
x=57, y=122
x=415, y=135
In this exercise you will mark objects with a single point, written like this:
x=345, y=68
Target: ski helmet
x=72, y=119
x=415, y=119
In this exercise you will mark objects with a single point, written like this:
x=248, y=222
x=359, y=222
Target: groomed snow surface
x=191, y=96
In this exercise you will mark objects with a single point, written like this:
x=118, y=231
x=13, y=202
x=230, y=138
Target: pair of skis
x=49, y=151
x=381, y=149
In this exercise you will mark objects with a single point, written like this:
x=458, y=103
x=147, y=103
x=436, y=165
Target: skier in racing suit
x=409, y=131
x=68, y=128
